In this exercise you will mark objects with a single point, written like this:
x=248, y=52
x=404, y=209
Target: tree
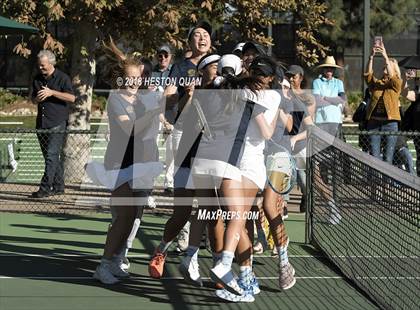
x=142, y=25
x=86, y=16
x=388, y=18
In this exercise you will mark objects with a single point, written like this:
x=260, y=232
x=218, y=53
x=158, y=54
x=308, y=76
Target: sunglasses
x=163, y=55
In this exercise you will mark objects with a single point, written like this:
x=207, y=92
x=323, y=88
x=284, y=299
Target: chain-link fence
x=399, y=148
x=22, y=167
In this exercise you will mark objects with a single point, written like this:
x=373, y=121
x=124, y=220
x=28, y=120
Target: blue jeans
x=390, y=140
x=403, y=158
x=51, y=147
x=416, y=141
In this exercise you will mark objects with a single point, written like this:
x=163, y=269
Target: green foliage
x=147, y=24
x=99, y=102
x=6, y=98
x=388, y=18
x=353, y=99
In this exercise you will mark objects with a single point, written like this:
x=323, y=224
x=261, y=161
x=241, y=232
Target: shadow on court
x=47, y=262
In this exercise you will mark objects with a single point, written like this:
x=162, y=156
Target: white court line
x=134, y=255
x=11, y=123
x=208, y=278
x=152, y=279
x=174, y=255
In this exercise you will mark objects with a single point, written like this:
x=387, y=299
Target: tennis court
x=46, y=262
x=369, y=260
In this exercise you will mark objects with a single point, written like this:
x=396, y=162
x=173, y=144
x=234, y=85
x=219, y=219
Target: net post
x=308, y=194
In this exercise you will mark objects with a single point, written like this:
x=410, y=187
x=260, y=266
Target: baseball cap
x=263, y=65
x=230, y=61
x=238, y=47
x=295, y=69
x=251, y=45
x=207, y=60
x=202, y=24
x=164, y=48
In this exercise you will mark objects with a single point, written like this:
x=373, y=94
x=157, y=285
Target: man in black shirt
x=51, y=91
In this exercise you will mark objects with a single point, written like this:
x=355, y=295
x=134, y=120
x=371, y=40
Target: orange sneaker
x=156, y=265
x=218, y=286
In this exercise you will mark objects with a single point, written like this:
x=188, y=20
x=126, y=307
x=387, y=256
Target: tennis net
x=364, y=215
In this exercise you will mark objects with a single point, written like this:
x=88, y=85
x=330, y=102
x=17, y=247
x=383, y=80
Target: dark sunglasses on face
x=163, y=55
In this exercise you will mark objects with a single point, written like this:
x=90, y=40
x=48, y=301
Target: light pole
x=366, y=37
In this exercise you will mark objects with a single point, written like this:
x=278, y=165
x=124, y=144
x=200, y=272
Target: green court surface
x=47, y=261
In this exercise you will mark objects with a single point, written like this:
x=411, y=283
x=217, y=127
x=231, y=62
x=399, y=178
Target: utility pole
x=270, y=33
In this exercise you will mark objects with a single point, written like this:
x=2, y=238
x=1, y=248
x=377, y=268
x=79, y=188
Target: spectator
x=411, y=117
x=302, y=114
x=330, y=98
x=52, y=91
x=164, y=63
x=359, y=116
x=161, y=71
x=383, y=110
x=250, y=50
x=402, y=156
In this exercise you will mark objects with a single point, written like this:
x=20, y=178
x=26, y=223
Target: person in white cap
x=231, y=159
x=202, y=105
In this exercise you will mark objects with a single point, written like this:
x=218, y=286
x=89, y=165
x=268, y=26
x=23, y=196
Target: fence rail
x=22, y=166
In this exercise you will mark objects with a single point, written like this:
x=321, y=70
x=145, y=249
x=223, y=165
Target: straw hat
x=329, y=62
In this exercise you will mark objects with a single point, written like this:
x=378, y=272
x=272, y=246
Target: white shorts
x=253, y=167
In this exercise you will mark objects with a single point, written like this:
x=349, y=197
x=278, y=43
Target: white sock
x=245, y=271
x=284, y=260
x=227, y=258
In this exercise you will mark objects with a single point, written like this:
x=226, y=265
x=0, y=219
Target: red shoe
x=156, y=265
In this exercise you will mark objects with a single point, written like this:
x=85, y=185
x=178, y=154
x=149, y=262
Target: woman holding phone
x=383, y=112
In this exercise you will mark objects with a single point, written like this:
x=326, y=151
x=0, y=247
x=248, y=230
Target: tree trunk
x=83, y=70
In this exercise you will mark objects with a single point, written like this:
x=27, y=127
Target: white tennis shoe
x=224, y=274
x=190, y=271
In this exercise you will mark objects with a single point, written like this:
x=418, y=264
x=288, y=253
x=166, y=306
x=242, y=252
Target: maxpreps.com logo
x=205, y=215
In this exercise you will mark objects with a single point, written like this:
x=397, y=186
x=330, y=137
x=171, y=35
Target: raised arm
x=369, y=66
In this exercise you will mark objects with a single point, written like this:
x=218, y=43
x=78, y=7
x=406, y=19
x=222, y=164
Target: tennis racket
x=281, y=168
x=202, y=119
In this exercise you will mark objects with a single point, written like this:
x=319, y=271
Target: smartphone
x=378, y=41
